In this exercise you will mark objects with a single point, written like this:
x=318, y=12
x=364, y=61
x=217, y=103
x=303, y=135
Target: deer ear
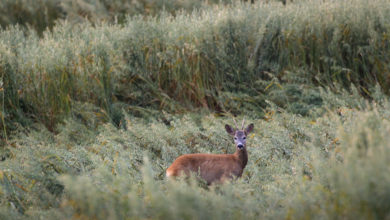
x=249, y=129
x=229, y=129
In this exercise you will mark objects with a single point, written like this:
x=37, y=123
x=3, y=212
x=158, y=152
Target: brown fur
x=215, y=168
x=210, y=167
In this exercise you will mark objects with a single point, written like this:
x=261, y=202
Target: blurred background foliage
x=43, y=14
x=225, y=58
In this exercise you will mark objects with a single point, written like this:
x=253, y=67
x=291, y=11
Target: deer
x=215, y=168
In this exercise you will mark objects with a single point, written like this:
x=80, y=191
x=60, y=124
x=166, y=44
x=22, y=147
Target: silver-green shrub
x=225, y=58
x=332, y=167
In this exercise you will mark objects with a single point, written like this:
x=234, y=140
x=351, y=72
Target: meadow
x=99, y=97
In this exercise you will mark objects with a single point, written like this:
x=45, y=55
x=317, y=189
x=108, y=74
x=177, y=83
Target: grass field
x=99, y=97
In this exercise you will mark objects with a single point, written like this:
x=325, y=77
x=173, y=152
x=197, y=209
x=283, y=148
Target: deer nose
x=240, y=146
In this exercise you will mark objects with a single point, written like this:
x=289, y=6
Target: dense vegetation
x=43, y=14
x=99, y=97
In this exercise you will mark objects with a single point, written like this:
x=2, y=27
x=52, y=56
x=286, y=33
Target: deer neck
x=242, y=157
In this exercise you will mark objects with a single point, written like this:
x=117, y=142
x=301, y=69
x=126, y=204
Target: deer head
x=239, y=134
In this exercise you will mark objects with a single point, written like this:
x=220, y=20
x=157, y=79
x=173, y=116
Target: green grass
x=43, y=14
x=335, y=166
x=227, y=58
x=94, y=110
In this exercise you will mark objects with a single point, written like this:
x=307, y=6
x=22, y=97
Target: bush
x=197, y=60
x=335, y=166
x=41, y=15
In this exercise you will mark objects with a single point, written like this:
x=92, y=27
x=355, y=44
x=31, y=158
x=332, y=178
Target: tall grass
x=333, y=167
x=312, y=76
x=43, y=14
x=38, y=14
x=225, y=58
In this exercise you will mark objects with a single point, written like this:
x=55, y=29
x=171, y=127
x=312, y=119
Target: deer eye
x=244, y=138
x=235, y=138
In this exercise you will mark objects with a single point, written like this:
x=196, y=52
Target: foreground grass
x=334, y=166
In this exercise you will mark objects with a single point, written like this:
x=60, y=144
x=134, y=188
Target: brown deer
x=215, y=168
